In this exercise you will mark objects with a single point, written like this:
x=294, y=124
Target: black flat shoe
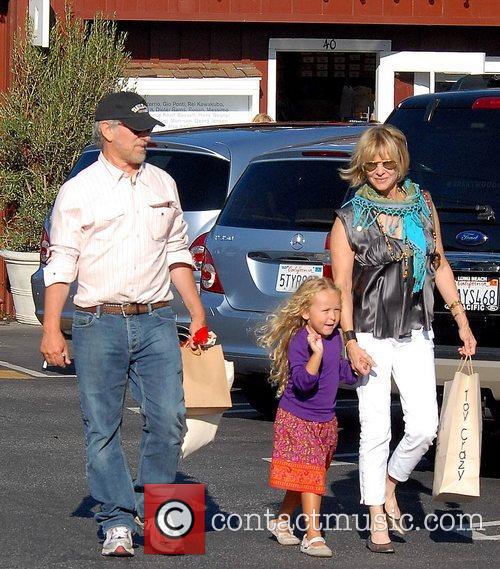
x=379, y=547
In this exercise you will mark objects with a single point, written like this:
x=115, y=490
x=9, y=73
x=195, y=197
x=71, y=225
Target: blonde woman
x=387, y=254
x=262, y=117
x=307, y=366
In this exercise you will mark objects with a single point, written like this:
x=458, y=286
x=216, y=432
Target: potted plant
x=46, y=118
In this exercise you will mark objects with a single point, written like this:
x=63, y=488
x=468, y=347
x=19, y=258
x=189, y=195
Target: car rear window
x=202, y=180
x=287, y=195
x=454, y=155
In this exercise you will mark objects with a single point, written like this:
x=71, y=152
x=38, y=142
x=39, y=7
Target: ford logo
x=471, y=237
x=297, y=241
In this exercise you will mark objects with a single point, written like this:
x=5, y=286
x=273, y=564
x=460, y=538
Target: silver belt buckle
x=122, y=307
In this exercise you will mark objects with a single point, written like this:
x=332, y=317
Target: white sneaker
x=282, y=532
x=118, y=542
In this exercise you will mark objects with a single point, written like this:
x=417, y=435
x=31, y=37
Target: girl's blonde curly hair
x=284, y=323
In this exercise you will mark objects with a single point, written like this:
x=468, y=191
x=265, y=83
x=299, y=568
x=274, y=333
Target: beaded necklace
x=404, y=253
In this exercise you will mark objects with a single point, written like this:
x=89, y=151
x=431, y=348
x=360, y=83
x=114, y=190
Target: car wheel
x=260, y=394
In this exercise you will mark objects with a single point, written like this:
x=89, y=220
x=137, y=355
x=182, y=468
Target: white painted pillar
x=271, y=83
x=384, y=87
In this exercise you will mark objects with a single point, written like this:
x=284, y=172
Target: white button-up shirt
x=119, y=234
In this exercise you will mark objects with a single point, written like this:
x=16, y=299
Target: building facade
x=294, y=59
x=220, y=61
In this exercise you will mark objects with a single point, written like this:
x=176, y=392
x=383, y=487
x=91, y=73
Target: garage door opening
x=315, y=86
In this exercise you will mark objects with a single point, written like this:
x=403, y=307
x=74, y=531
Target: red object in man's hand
x=201, y=336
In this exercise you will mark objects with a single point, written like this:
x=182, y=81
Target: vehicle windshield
x=286, y=195
x=454, y=155
x=202, y=181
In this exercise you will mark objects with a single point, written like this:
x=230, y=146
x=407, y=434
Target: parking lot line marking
x=477, y=535
x=30, y=372
x=22, y=369
x=11, y=374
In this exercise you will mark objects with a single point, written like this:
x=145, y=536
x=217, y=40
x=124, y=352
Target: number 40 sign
x=329, y=44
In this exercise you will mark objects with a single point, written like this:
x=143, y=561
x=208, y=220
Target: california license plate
x=291, y=276
x=478, y=293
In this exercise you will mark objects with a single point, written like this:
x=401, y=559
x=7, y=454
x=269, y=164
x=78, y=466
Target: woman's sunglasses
x=387, y=164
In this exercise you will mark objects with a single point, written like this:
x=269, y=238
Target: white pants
x=411, y=362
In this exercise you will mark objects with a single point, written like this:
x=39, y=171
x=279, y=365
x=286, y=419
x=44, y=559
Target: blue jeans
x=109, y=350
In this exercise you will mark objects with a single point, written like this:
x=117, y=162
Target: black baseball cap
x=129, y=108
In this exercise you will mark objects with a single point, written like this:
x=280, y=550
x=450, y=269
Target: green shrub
x=46, y=116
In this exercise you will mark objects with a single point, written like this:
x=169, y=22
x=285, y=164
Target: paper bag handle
x=466, y=360
x=195, y=351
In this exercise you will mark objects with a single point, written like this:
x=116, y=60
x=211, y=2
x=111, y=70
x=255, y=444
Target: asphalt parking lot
x=46, y=511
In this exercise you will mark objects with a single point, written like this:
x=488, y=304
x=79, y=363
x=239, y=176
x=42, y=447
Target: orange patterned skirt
x=302, y=453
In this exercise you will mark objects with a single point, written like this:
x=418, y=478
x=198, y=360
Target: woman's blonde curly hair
x=284, y=323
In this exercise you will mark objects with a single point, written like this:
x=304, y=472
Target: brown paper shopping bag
x=458, y=451
x=200, y=430
x=205, y=381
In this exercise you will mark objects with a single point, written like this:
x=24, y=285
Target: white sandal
x=318, y=551
x=282, y=532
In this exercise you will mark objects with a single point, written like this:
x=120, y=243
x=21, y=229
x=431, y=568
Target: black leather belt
x=127, y=309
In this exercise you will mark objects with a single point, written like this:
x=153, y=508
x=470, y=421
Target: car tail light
x=197, y=250
x=327, y=260
x=44, y=247
x=486, y=103
x=209, y=277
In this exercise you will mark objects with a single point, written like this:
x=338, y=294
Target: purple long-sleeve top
x=314, y=397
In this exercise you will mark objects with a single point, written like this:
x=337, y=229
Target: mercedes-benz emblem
x=297, y=241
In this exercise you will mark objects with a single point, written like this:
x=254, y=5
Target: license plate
x=478, y=293
x=291, y=276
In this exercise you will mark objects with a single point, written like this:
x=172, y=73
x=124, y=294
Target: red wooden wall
x=428, y=12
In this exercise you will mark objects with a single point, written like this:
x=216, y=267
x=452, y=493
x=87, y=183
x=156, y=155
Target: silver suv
x=268, y=238
x=205, y=163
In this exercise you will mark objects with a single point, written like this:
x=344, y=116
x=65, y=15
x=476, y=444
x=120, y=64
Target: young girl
x=307, y=367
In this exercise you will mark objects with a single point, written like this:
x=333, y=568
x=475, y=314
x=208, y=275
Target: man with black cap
x=118, y=227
